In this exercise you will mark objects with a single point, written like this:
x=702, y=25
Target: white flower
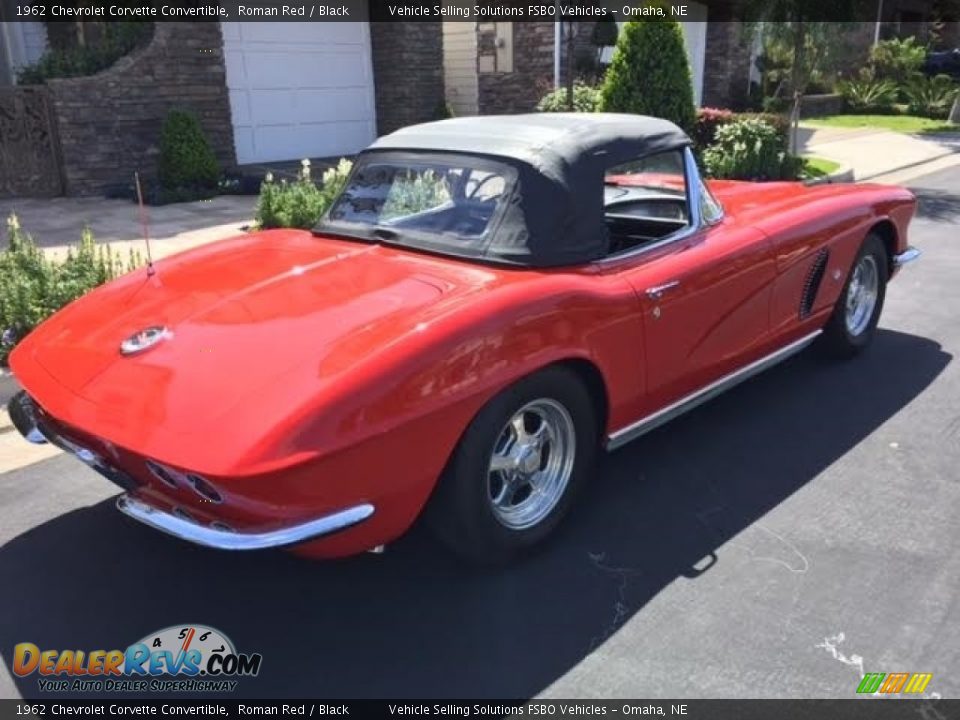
x=268, y=177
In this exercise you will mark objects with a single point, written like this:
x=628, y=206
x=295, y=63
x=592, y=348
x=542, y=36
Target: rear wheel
x=853, y=324
x=517, y=468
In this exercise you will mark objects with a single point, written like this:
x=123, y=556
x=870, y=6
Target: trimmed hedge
x=187, y=161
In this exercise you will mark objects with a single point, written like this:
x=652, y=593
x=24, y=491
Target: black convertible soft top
x=555, y=216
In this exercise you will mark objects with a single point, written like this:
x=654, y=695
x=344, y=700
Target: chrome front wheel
x=853, y=323
x=531, y=464
x=862, y=292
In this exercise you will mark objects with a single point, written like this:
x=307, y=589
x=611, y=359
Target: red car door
x=706, y=304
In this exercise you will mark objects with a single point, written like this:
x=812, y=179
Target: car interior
x=637, y=216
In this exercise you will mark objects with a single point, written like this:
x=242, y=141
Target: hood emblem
x=144, y=340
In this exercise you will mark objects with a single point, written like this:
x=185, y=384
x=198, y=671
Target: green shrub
x=709, y=120
x=650, y=74
x=897, y=60
x=750, y=149
x=443, y=111
x=585, y=99
x=413, y=193
x=118, y=39
x=931, y=97
x=299, y=204
x=705, y=127
x=186, y=159
x=868, y=96
x=33, y=287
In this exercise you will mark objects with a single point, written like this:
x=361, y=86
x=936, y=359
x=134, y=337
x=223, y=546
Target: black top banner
x=868, y=708
x=453, y=10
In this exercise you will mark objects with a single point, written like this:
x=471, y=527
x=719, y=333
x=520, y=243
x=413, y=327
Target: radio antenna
x=144, y=224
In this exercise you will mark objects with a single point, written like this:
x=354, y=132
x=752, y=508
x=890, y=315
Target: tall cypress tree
x=650, y=74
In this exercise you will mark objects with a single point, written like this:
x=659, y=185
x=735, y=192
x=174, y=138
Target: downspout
x=556, y=46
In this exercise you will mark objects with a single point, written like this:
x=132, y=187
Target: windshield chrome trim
x=692, y=176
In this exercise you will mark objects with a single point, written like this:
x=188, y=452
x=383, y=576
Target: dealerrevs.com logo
x=186, y=658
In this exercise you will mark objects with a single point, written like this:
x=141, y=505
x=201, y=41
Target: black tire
x=461, y=512
x=838, y=340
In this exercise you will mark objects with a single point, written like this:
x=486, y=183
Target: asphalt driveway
x=777, y=542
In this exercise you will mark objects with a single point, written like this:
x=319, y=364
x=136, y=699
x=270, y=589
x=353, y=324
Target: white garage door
x=299, y=89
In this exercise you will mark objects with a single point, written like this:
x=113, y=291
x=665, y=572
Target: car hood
x=239, y=314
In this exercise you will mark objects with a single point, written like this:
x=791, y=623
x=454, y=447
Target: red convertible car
x=489, y=303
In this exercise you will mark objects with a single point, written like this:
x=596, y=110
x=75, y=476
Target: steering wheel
x=473, y=193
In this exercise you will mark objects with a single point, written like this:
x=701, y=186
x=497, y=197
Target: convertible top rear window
x=440, y=202
x=418, y=186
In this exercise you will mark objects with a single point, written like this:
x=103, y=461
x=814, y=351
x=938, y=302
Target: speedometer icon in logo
x=190, y=650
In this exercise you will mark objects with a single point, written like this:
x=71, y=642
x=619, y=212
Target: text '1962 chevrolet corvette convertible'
x=489, y=302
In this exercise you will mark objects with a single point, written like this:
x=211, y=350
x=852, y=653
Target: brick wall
x=408, y=72
x=518, y=91
x=109, y=123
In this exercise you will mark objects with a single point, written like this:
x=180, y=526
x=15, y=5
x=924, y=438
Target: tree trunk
x=569, y=35
x=798, y=76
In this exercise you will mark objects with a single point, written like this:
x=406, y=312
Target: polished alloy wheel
x=531, y=464
x=862, y=295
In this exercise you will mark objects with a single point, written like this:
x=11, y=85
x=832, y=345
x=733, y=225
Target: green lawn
x=896, y=123
x=817, y=167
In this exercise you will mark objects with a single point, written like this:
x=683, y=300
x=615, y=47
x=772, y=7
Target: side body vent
x=812, y=284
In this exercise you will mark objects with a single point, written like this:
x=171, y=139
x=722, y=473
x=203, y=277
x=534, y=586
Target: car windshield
x=444, y=203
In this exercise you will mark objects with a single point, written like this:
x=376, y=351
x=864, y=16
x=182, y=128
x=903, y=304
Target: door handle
x=657, y=291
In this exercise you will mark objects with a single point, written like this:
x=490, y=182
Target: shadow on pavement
x=413, y=622
x=938, y=205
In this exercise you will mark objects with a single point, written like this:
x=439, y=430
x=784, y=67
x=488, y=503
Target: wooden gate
x=29, y=146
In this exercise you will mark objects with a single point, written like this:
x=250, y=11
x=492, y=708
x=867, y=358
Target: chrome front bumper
x=23, y=414
x=907, y=256
x=223, y=539
x=24, y=418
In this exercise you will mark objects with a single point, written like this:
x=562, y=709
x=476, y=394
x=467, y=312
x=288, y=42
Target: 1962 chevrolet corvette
x=489, y=302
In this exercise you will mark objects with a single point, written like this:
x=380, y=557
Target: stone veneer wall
x=109, y=123
x=408, y=72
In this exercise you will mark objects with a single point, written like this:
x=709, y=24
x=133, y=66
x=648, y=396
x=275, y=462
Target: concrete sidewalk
x=55, y=223
x=873, y=153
